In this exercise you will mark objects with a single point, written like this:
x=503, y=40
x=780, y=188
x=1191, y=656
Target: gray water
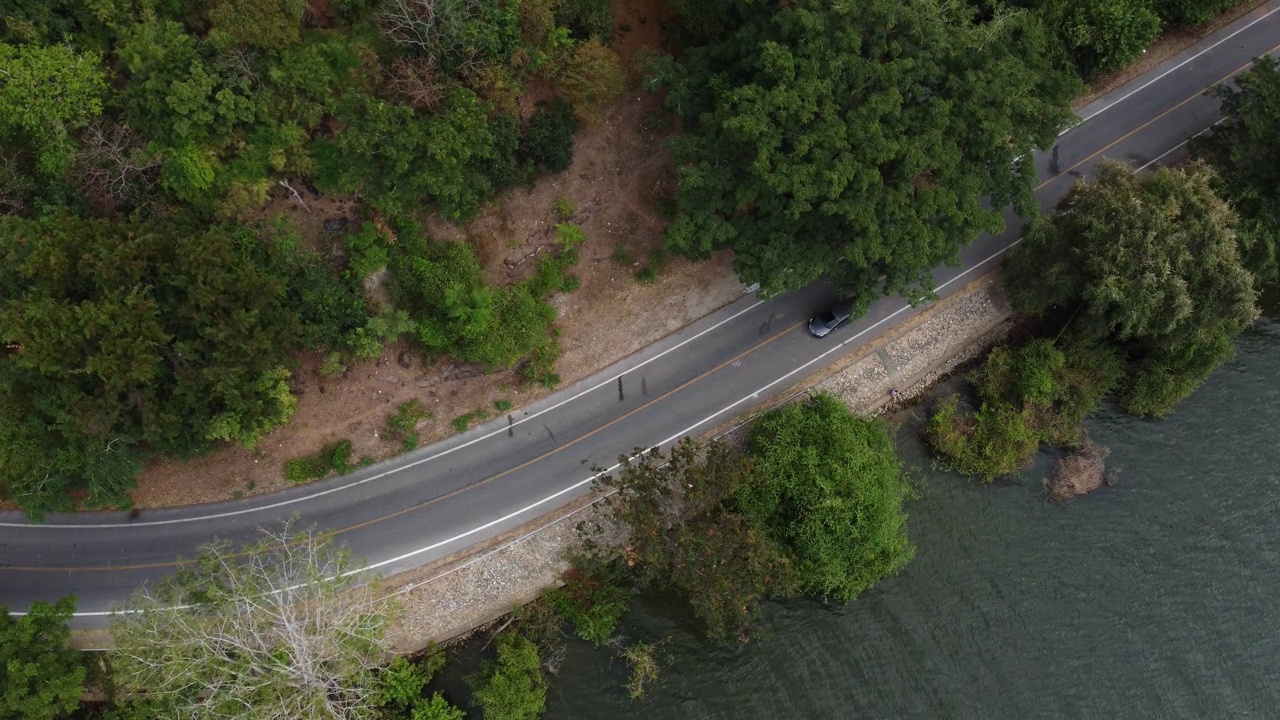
x=1156, y=598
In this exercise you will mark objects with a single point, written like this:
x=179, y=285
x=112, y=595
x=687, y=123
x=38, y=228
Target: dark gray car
x=837, y=314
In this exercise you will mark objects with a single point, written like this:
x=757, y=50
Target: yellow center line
x=454, y=493
x=1148, y=123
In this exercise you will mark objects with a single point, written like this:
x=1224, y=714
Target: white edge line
x=392, y=471
x=1164, y=74
x=1175, y=148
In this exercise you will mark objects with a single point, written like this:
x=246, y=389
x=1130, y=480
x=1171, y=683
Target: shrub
x=586, y=18
x=402, y=424
x=506, y=167
x=511, y=687
x=462, y=422
x=548, y=143
x=1032, y=394
x=366, y=252
x=335, y=458
x=593, y=602
x=563, y=208
x=502, y=405
x=591, y=77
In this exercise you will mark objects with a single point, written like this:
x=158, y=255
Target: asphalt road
x=431, y=503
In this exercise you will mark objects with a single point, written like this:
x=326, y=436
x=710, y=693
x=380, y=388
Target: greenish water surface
x=1156, y=598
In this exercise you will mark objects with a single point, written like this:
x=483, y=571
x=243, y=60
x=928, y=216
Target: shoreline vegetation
x=1135, y=287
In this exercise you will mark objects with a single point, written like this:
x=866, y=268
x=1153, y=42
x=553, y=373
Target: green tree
x=41, y=677
x=1148, y=264
x=857, y=140
x=270, y=24
x=829, y=487
x=281, y=628
x=1245, y=151
x=1033, y=394
x=684, y=533
x=511, y=687
x=47, y=93
x=394, y=157
x=1102, y=35
x=127, y=339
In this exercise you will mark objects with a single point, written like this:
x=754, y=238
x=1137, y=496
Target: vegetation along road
x=435, y=501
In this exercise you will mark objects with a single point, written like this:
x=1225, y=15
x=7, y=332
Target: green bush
x=511, y=687
x=507, y=166
x=548, y=143
x=462, y=422
x=828, y=486
x=586, y=18
x=401, y=425
x=593, y=602
x=366, y=252
x=1190, y=12
x=502, y=405
x=1031, y=394
x=335, y=458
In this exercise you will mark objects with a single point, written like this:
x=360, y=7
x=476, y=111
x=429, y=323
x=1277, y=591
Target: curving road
x=431, y=503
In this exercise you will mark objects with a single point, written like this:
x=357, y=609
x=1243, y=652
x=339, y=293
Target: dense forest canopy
x=858, y=141
x=153, y=307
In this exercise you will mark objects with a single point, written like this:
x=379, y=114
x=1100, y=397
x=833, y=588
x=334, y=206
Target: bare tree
x=276, y=631
x=417, y=81
x=438, y=28
x=112, y=167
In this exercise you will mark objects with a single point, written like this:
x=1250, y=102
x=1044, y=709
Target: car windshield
x=827, y=317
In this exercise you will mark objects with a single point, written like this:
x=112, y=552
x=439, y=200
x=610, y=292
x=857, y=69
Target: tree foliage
x=829, y=487
x=41, y=677
x=857, y=140
x=511, y=687
x=48, y=93
x=1033, y=394
x=278, y=629
x=815, y=506
x=1245, y=151
x=1150, y=265
x=124, y=340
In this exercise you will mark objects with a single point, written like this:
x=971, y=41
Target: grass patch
x=622, y=255
x=563, y=208
x=335, y=458
x=402, y=424
x=502, y=405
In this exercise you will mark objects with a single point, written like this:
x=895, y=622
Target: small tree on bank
x=813, y=506
x=1149, y=265
x=279, y=630
x=41, y=677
